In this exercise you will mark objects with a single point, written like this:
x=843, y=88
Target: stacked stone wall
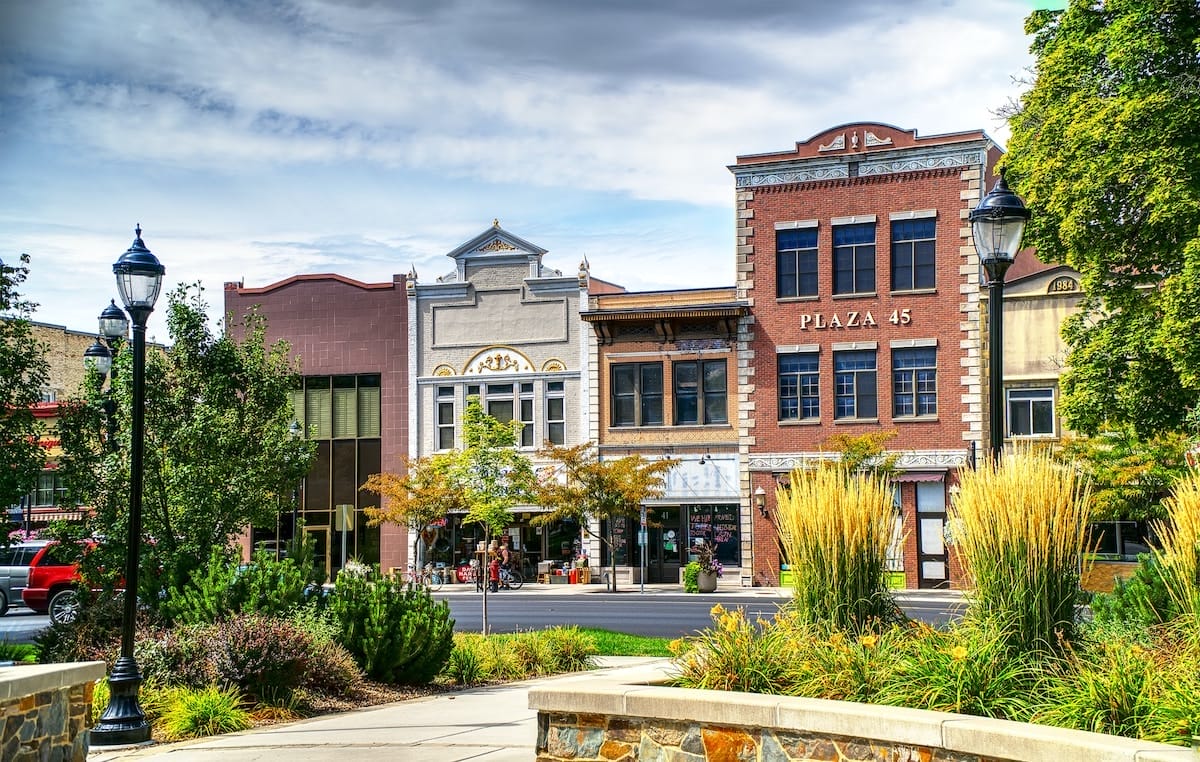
x=46, y=711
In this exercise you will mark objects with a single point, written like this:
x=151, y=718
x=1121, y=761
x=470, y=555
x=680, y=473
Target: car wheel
x=3, y=604
x=64, y=606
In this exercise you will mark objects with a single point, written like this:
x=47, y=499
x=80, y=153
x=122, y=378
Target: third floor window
x=913, y=260
x=854, y=259
x=796, y=262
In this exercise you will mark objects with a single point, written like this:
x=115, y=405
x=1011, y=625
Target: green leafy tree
x=218, y=453
x=422, y=494
x=23, y=373
x=485, y=479
x=864, y=453
x=599, y=490
x=1105, y=151
x=1129, y=476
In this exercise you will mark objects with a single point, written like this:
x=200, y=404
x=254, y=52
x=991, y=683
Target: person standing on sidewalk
x=494, y=573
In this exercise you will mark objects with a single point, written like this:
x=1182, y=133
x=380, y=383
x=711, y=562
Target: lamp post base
x=123, y=722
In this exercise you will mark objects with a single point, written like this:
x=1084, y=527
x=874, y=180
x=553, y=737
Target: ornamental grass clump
x=968, y=669
x=1019, y=529
x=836, y=527
x=1179, y=553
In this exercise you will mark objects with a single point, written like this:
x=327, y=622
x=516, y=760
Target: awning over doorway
x=920, y=476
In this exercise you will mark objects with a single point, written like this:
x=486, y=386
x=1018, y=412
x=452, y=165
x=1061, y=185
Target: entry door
x=320, y=538
x=932, y=561
x=664, y=543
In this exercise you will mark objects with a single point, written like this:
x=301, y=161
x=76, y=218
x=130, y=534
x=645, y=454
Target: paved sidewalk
x=492, y=724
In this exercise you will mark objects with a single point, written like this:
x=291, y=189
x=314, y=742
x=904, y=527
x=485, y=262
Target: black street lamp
x=997, y=224
x=139, y=278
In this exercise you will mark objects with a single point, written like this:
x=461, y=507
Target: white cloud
x=258, y=141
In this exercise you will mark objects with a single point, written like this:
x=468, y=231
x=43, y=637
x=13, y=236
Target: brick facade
x=664, y=328
x=338, y=326
x=870, y=175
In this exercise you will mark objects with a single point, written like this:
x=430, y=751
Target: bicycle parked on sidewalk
x=510, y=578
x=429, y=577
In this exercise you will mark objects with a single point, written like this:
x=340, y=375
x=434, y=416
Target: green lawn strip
x=611, y=643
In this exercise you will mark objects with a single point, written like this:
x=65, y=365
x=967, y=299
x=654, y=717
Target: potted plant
x=702, y=573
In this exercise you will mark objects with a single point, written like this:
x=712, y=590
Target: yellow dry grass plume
x=1179, y=537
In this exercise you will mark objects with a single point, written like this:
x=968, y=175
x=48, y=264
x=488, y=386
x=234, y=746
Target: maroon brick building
x=856, y=257
x=351, y=341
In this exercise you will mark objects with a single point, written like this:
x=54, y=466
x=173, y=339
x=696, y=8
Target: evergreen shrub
x=398, y=633
x=1142, y=599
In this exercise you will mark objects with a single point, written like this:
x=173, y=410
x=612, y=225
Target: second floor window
x=445, y=417
x=854, y=381
x=701, y=394
x=637, y=394
x=913, y=260
x=796, y=262
x=1031, y=412
x=914, y=382
x=799, y=387
x=556, y=413
x=854, y=259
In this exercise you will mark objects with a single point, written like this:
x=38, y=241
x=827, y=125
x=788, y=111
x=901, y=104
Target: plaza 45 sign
x=817, y=321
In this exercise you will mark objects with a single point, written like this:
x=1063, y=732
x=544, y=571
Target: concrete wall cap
x=28, y=679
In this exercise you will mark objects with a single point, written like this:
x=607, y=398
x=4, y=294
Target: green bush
x=224, y=588
x=691, y=577
x=204, y=712
x=465, y=665
x=398, y=633
x=1142, y=599
x=570, y=649
x=95, y=635
x=21, y=653
x=531, y=652
x=265, y=657
x=332, y=670
x=967, y=669
x=179, y=656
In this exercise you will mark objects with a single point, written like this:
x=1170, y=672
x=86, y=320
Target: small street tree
x=218, y=454
x=484, y=479
x=422, y=494
x=23, y=373
x=603, y=490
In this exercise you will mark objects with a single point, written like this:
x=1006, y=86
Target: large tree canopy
x=23, y=372
x=218, y=452
x=1105, y=150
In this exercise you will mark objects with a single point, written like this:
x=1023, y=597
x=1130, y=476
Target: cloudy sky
x=257, y=139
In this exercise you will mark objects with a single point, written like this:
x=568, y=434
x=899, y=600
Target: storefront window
x=716, y=525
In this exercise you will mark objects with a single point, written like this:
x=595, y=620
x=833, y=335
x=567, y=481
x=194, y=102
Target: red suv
x=54, y=581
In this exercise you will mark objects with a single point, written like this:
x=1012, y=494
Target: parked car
x=53, y=586
x=14, y=572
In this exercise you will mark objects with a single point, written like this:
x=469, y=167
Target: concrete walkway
x=492, y=724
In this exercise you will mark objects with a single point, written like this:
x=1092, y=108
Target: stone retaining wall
x=633, y=716
x=45, y=710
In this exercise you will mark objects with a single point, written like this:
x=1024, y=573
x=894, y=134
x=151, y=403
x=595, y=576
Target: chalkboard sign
x=717, y=525
x=620, y=541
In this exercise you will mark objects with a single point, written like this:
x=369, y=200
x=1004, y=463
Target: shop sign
x=817, y=321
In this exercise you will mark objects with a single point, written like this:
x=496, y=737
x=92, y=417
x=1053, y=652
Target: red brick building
x=855, y=254
x=351, y=340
